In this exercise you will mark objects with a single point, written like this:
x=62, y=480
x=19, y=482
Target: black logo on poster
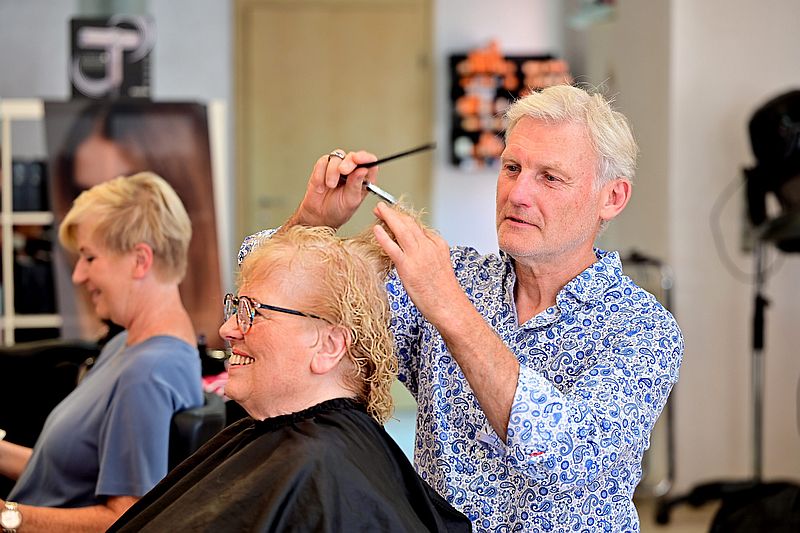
x=111, y=57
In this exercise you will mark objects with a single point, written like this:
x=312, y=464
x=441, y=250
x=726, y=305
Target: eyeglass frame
x=233, y=301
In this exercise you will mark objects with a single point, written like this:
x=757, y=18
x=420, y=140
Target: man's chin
x=515, y=244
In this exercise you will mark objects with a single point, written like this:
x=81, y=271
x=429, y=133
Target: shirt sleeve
x=406, y=326
x=251, y=241
x=571, y=439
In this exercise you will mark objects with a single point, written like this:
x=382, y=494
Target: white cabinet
x=17, y=110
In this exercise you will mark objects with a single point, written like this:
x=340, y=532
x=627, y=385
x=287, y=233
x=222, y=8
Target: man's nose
x=521, y=192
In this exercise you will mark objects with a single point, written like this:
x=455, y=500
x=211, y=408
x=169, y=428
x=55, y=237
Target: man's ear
x=143, y=255
x=330, y=349
x=614, y=197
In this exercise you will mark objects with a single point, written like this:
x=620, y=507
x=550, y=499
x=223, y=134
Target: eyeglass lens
x=245, y=314
x=229, y=306
x=243, y=310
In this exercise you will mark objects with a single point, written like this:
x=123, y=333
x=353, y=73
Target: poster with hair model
x=89, y=142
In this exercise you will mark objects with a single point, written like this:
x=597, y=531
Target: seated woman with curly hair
x=312, y=363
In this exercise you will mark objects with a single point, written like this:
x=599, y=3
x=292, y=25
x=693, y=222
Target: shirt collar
x=595, y=281
x=589, y=285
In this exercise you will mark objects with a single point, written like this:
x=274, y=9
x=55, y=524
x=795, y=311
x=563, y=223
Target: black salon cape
x=330, y=468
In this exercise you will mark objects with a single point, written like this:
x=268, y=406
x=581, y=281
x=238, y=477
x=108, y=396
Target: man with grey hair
x=539, y=371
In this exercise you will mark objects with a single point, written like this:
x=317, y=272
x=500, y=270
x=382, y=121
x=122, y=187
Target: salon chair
x=36, y=376
x=191, y=428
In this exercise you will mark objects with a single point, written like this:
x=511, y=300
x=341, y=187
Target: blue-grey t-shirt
x=110, y=436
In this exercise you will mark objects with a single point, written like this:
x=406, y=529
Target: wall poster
x=483, y=84
x=91, y=141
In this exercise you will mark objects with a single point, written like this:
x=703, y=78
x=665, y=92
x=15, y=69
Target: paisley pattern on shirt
x=596, y=370
x=595, y=373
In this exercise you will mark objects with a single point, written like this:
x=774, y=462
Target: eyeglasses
x=245, y=307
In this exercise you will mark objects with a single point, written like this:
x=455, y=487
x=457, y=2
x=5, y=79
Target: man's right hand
x=328, y=201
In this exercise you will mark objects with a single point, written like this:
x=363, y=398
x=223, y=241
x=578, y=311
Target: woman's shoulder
x=158, y=345
x=159, y=356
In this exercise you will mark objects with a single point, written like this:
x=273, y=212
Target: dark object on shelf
x=34, y=288
x=29, y=190
x=27, y=335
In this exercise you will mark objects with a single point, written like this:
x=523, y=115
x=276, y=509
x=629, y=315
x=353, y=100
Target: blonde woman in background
x=106, y=444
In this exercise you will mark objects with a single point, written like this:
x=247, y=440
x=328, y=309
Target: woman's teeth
x=237, y=359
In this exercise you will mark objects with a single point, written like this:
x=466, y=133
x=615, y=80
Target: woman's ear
x=332, y=346
x=143, y=255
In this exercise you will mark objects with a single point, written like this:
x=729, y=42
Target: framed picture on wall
x=483, y=84
x=91, y=141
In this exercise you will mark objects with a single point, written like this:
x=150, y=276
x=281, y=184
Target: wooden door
x=316, y=75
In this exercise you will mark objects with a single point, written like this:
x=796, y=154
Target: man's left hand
x=422, y=259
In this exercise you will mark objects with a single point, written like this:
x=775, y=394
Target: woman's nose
x=229, y=330
x=79, y=273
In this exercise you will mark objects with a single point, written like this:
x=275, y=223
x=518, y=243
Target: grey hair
x=609, y=130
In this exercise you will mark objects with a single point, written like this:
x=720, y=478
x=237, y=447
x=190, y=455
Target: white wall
x=462, y=206
x=637, y=79
x=192, y=58
x=728, y=57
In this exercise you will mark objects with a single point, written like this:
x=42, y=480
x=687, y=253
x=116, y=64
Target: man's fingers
x=361, y=157
x=406, y=229
x=318, y=174
x=354, y=190
x=334, y=168
x=389, y=246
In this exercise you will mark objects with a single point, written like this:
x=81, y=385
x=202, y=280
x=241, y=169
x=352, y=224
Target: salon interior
x=284, y=82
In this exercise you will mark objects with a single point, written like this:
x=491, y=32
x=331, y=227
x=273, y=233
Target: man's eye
x=511, y=167
x=550, y=177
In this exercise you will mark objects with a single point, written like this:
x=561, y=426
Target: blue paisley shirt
x=595, y=372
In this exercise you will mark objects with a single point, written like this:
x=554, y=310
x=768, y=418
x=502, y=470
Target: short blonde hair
x=346, y=278
x=126, y=211
x=608, y=130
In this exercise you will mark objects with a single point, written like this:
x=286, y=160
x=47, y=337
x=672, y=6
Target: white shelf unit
x=11, y=110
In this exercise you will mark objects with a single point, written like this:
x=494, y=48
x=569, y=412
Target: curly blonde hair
x=347, y=276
